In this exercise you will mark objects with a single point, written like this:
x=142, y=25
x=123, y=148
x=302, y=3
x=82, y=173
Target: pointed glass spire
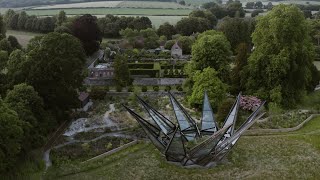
x=208, y=122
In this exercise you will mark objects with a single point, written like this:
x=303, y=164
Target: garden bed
x=83, y=151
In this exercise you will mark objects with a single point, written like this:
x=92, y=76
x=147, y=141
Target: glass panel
x=175, y=150
x=208, y=123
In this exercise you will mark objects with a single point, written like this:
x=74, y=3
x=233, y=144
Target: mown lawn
x=284, y=156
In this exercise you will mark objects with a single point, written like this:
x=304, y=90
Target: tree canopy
x=279, y=69
x=207, y=80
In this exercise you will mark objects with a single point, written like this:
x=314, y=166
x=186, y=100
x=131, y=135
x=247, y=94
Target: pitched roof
x=83, y=96
x=175, y=46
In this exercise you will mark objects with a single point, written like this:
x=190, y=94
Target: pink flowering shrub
x=249, y=103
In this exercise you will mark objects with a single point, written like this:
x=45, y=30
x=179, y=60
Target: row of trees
x=22, y=21
x=279, y=70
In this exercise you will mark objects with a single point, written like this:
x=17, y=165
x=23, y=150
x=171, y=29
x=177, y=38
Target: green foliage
x=119, y=88
x=11, y=135
x=169, y=44
x=121, y=70
x=215, y=88
x=2, y=28
x=3, y=59
x=55, y=67
x=241, y=61
x=156, y=88
x=279, y=69
x=167, y=88
x=131, y=89
x=185, y=42
x=179, y=88
x=224, y=109
x=237, y=30
x=166, y=30
x=211, y=51
x=190, y=25
x=5, y=46
x=98, y=92
x=14, y=42
x=62, y=17
x=150, y=38
x=144, y=88
x=30, y=108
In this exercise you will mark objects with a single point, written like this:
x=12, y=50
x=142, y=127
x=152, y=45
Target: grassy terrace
x=289, y=156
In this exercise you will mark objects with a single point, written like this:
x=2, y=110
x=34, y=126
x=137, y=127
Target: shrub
x=156, y=88
x=224, y=109
x=98, y=92
x=144, y=88
x=168, y=88
x=130, y=88
x=118, y=88
x=179, y=88
x=249, y=103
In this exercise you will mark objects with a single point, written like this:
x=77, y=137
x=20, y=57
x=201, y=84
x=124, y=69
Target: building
x=176, y=51
x=103, y=70
x=84, y=99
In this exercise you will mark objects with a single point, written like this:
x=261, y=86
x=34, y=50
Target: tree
x=62, y=17
x=167, y=30
x=190, y=25
x=86, y=29
x=11, y=135
x=256, y=12
x=237, y=30
x=47, y=25
x=121, y=70
x=29, y=106
x=22, y=20
x=215, y=88
x=15, y=71
x=5, y=45
x=150, y=37
x=55, y=67
x=241, y=61
x=169, y=44
x=185, y=43
x=258, y=5
x=13, y=23
x=250, y=5
x=3, y=59
x=2, y=28
x=212, y=51
x=14, y=42
x=279, y=69
x=183, y=3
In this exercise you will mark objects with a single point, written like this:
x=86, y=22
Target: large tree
x=55, y=67
x=212, y=50
x=167, y=30
x=86, y=29
x=121, y=70
x=11, y=135
x=29, y=106
x=2, y=28
x=279, y=69
x=207, y=80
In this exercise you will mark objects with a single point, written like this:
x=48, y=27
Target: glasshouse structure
x=210, y=143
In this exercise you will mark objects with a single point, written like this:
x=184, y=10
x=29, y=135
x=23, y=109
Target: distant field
x=114, y=11
x=118, y=4
x=23, y=37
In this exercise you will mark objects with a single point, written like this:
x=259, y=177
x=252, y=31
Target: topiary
x=144, y=88
x=156, y=88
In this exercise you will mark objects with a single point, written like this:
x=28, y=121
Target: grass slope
x=285, y=156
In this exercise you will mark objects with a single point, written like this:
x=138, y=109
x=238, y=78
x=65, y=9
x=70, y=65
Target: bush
x=224, y=109
x=156, y=88
x=179, y=88
x=98, y=92
x=118, y=88
x=144, y=88
x=130, y=88
x=168, y=88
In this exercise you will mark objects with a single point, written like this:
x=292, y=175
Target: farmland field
x=118, y=4
x=114, y=11
x=23, y=37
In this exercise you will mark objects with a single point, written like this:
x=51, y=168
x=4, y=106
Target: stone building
x=176, y=51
